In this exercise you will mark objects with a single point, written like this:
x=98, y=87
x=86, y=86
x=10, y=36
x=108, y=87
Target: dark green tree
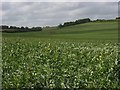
x=22, y=27
x=60, y=26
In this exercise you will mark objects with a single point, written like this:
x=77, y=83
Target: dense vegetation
x=59, y=65
x=80, y=21
x=79, y=56
x=85, y=20
x=12, y=29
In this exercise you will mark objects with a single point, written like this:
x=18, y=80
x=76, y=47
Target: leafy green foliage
x=59, y=64
x=79, y=21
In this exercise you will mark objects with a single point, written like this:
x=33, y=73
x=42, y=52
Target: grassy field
x=79, y=56
x=89, y=31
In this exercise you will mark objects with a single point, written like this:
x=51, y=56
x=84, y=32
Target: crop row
x=59, y=65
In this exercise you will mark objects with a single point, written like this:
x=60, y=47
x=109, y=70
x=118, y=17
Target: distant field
x=89, y=31
x=79, y=56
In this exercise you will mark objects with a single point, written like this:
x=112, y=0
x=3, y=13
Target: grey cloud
x=54, y=13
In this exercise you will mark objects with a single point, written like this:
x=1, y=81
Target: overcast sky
x=53, y=13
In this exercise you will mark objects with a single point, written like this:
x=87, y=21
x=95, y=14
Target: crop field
x=95, y=31
x=80, y=56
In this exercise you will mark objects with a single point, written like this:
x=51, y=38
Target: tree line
x=6, y=28
x=79, y=21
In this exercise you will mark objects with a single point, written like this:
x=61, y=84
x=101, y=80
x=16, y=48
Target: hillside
x=87, y=31
x=85, y=54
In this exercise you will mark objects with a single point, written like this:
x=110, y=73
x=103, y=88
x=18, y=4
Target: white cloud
x=54, y=13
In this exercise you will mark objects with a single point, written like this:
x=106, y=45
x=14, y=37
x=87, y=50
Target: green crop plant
x=56, y=64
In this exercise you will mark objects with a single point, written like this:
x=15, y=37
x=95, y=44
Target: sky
x=51, y=13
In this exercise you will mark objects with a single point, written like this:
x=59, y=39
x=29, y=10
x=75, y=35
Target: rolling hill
x=87, y=31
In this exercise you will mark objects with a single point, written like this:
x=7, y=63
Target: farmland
x=79, y=56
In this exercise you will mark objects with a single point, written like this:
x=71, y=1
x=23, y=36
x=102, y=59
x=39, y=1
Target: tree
x=60, y=26
x=36, y=29
x=4, y=27
x=26, y=28
x=11, y=27
x=79, y=21
x=22, y=27
x=117, y=17
x=17, y=27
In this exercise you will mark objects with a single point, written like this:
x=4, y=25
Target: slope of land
x=87, y=31
x=56, y=58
